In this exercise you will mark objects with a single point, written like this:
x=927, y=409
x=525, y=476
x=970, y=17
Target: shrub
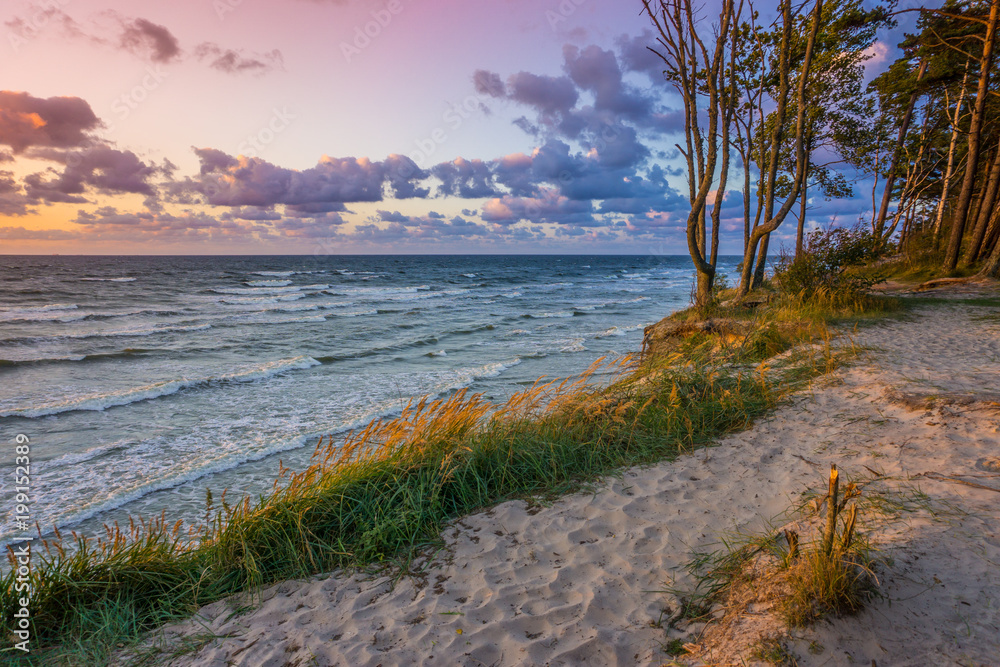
x=832, y=265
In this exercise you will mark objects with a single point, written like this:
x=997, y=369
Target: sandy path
x=574, y=583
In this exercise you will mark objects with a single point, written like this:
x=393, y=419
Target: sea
x=140, y=382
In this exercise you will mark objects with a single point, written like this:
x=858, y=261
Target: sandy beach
x=582, y=581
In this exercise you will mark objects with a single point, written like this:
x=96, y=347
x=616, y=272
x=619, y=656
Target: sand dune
x=576, y=582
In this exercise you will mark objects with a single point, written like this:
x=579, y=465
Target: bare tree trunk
x=939, y=216
x=758, y=273
x=986, y=206
x=890, y=178
x=772, y=222
x=991, y=269
x=803, y=205
x=992, y=233
x=695, y=73
x=975, y=132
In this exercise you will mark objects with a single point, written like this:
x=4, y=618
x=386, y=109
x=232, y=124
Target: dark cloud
x=149, y=40
x=250, y=181
x=548, y=207
x=550, y=95
x=393, y=216
x=469, y=179
x=12, y=198
x=590, y=72
x=488, y=83
x=57, y=122
x=232, y=61
x=251, y=213
x=107, y=170
x=597, y=71
x=636, y=56
x=403, y=174
x=314, y=209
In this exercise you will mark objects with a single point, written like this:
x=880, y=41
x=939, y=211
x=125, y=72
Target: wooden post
x=831, y=511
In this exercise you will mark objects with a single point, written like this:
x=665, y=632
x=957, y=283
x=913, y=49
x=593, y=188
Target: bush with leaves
x=833, y=264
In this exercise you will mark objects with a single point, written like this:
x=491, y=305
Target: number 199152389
x=22, y=481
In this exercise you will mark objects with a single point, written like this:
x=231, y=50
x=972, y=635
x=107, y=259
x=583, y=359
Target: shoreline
x=572, y=582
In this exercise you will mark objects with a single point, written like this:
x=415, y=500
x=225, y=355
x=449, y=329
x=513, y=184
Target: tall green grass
x=385, y=493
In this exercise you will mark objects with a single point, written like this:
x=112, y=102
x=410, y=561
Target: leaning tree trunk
x=975, y=133
x=986, y=207
x=890, y=178
x=939, y=215
x=991, y=269
x=758, y=273
x=773, y=222
x=803, y=204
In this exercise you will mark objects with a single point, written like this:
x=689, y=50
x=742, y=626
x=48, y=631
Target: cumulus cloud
x=548, y=207
x=108, y=170
x=636, y=56
x=469, y=179
x=58, y=122
x=590, y=73
x=225, y=180
x=598, y=71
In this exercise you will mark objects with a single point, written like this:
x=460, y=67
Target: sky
x=346, y=126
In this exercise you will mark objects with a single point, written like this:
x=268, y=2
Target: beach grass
x=384, y=495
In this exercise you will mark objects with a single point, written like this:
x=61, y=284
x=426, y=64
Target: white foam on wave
x=49, y=316
x=380, y=291
x=255, y=290
x=100, y=402
x=359, y=313
x=618, y=331
x=37, y=359
x=268, y=283
x=561, y=313
x=116, y=333
x=72, y=500
x=89, y=508
x=292, y=320
x=39, y=309
x=574, y=345
x=279, y=274
x=254, y=300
